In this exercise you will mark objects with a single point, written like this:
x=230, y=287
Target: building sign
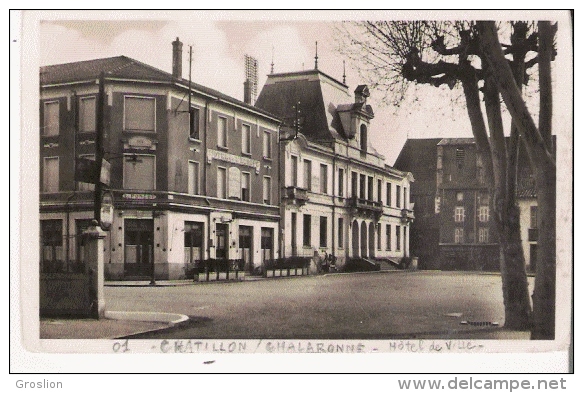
x=105, y=173
x=106, y=216
x=140, y=142
x=233, y=159
x=138, y=196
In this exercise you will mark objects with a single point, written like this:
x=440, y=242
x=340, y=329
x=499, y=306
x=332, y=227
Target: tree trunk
x=546, y=181
x=507, y=219
x=545, y=170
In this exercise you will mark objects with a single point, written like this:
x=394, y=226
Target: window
x=308, y=174
x=459, y=196
x=221, y=183
x=245, y=186
x=87, y=114
x=388, y=235
x=82, y=186
x=484, y=213
x=362, y=187
x=460, y=214
x=459, y=235
x=398, y=236
x=246, y=139
x=379, y=236
x=193, y=178
x=354, y=193
x=51, y=123
x=222, y=132
x=340, y=232
x=389, y=194
x=267, y=190
x=341, y=182
x=323, y=179
x=405, y=198
x=460, y=155
x=533, y=217
x=266, y=144
x=193, y=235
x=323, y=231
x=380, y=191
x=51, y=174
x=52, y=244
x=139, y=114
x=370, y=188
x=194, y=119
x=363, y=137
x=139, y=172
x=294, y=168
x=483, y=235
x=307, y=230
x=398, y=196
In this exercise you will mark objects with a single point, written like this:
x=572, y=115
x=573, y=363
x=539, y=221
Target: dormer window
x=363, y=137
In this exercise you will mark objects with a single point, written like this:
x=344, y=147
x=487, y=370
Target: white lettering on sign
x=51, y=144
x=86, y=142
x=233, y=159
x=138, y=196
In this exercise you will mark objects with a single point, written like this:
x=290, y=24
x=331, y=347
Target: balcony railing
x=532, y=234
x=407, y=215
x=297, y=194
x=365, y=206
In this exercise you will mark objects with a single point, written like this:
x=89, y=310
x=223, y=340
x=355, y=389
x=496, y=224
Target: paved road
x=352, y=306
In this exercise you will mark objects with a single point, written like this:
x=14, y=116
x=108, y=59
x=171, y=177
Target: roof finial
x=316, y=66
x=344, y=73
x=272, y=49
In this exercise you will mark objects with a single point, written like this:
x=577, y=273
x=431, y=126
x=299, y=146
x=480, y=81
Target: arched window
x=363, y=137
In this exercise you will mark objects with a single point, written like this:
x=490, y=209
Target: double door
x=138, y=247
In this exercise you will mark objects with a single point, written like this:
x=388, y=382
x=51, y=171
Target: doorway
x=222, y=241
x=246, y=247
x=138, y=247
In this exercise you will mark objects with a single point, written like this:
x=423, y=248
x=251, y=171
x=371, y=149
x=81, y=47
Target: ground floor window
x=459, y=235
x=340, y=232
x=193, y=245
x=307, y=230
x=323, y=232
x=398, y=236
x=52, y=255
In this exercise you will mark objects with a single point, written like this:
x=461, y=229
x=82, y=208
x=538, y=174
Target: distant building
x=338, y=195
x=454, y=228
x=189, y=184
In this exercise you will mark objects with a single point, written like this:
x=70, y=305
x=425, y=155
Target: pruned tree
x=469, y=55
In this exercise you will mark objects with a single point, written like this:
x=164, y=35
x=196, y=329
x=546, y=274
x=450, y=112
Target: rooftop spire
x=316, y=65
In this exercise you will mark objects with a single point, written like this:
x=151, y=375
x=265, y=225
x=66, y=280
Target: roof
x=122, y=67
x=419, y=156
x=320, y=97
x=457, y=141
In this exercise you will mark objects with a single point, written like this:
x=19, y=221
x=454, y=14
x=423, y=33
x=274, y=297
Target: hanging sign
x=106, y=216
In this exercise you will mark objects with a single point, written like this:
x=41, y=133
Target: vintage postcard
x=348, y=186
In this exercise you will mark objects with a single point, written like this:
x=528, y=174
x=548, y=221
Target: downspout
x=205, y=172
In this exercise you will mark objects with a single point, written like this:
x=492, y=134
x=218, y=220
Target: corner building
x=338, y=195
x=189, y=184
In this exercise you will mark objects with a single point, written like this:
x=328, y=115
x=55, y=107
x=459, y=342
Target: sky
x=220, y=41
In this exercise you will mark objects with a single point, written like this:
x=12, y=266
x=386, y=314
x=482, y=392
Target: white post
x=94, y=260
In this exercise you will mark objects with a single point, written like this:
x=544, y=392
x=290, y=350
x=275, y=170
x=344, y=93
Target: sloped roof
x=457, y=141
x=123, y=67
x=419, y=156
x=320, y=97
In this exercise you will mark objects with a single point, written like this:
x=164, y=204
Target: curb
x=142, y=316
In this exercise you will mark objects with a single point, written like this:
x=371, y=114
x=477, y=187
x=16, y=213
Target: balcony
x=532, y=234
x=296, y=195
x=407, y=215
x=366, y=207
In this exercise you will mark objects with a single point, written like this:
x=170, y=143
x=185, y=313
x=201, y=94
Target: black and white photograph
x=297, y=182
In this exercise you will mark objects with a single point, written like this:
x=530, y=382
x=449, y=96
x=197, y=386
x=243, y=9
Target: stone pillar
x=94, y=259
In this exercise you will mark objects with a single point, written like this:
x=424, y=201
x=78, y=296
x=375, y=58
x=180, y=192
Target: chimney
x=177, y=59
x=247, y=92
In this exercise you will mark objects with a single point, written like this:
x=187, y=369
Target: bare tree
x=397, y=54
